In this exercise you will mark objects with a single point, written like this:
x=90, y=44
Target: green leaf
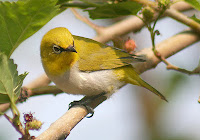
x=63, y=1
x=194, y=3
x=10, y=81
x=115, y=10
x=195, y=18
x=19, y=20
x=94, y=3
x=4, y=98
x=77, y=4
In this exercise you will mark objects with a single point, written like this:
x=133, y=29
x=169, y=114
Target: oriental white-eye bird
x=79, y=65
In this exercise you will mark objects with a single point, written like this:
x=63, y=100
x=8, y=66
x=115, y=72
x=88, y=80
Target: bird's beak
x=71, y=49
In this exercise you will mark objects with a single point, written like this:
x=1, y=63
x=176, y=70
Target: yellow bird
x=79, y=65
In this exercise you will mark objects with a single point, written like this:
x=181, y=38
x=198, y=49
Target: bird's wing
x=97, y=56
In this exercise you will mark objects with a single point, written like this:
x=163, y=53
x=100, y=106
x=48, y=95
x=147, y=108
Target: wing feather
x=97, y=56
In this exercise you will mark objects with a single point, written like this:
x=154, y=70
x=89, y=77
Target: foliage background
x=128, y=113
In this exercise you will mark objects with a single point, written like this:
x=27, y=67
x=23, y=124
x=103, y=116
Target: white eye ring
x=57, y=49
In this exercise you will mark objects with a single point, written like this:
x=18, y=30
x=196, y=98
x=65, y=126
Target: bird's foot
x=86, y=103
x=89, y=109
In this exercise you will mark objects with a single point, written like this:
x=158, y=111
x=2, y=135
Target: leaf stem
x=14, y=109
x=17, y=125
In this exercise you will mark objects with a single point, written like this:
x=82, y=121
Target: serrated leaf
x=194, y=3
x=195, y=18
x=17, y=89
x=19, y=20
x=115, y=10
x=10, y=81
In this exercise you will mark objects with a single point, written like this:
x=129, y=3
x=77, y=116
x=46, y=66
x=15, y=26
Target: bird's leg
x=86, y=102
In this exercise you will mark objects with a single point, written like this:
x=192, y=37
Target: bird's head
x=57, y=50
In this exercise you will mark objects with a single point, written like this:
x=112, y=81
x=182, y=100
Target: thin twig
x=173, y=67
x=97, y=28
x=17, y=126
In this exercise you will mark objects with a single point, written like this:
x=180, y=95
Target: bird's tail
x=134, y=78
x=152, y=89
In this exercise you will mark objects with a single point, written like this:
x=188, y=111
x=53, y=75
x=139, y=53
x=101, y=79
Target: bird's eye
x=57, y=49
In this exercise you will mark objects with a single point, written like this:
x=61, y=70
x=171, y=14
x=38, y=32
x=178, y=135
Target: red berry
x=130, y=45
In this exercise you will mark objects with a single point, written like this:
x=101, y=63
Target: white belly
x=93, y=83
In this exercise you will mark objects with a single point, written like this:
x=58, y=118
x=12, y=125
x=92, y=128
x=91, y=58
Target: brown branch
x=45, y=90
x=70, y=119
x=61, y=128
x=183, y=19
x=41, y=81
x=181, y=6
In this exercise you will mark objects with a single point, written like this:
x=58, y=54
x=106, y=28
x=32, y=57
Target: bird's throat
x=60, y=64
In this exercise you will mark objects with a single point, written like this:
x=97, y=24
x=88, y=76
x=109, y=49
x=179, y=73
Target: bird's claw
x=85, y=102
x=89, y=109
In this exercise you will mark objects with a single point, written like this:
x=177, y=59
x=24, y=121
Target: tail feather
x=133, y=77
x=149, y=87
